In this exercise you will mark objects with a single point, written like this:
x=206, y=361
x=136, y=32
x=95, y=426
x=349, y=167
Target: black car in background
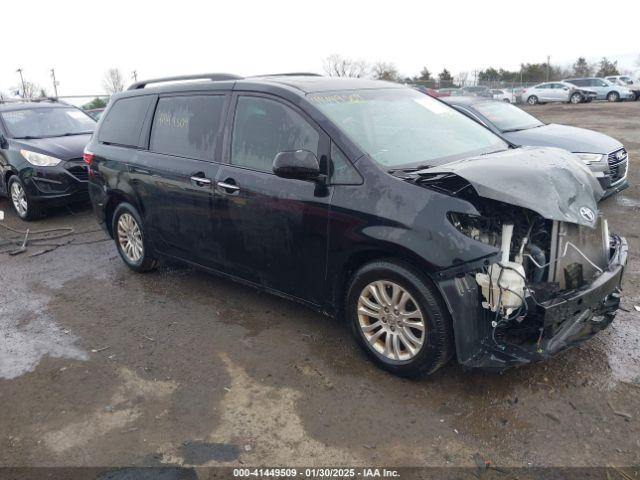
x=606, y=157
x=365, y=200
x=41, y=147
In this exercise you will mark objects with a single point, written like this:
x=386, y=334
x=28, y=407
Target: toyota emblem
x=587, y=214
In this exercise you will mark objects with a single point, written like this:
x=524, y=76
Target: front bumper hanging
x=576, y=317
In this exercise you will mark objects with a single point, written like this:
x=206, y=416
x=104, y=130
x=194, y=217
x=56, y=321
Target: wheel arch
x=7, y=175
x=115, y=198
x=356, y=260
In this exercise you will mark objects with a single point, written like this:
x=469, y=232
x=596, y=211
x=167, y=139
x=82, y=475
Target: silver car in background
x=605, y=89
x=556, y=92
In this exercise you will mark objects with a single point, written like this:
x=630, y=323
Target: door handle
x=228, y=187
x=201, y=180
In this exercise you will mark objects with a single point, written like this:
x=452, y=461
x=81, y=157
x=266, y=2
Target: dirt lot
x=100, y=366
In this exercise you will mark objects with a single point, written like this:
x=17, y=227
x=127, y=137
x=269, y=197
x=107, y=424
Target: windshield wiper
x=27, y=137
x=409, y=169
x=70, y=134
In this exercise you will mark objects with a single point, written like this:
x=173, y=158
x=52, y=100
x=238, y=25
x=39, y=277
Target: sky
x=82, y=39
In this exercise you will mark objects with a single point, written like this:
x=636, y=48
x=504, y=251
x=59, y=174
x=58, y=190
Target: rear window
x=123, y=123
x=187, y=126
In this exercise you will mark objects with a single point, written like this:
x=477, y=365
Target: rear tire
x=613, y=96
x=399, y=319
x=131, y=241
x=532, y=100
x=22, y=203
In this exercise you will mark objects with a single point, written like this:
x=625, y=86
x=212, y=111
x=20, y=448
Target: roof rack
x=290, y=74
x=215, y=77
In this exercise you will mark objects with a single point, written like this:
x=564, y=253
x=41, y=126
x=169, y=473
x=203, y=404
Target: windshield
x=47, y=122
x=402, y=127
x=507, y=117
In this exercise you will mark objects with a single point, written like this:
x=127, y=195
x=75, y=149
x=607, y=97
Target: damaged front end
x=554, y=280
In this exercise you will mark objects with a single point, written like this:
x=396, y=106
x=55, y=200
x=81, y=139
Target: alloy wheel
x=391, y=320
x=130, y=237
x=19, y=199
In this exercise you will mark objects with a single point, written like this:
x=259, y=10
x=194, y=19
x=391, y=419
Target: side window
x=187, y=126
x=342, y=172
x=123, y=122
x=263, y=128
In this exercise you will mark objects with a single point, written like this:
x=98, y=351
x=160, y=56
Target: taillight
x=87, y=157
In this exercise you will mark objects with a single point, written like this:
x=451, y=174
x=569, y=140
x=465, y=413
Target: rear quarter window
x=187, y=126
x=123, y=123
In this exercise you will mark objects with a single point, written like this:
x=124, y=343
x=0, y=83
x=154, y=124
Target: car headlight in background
x=589, y=158
x=39, y=159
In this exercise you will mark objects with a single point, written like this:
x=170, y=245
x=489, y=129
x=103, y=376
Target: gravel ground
x=100, y=366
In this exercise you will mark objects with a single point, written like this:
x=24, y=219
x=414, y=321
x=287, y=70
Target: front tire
x=131, y=241
x=398, y=319
x=22, y=204
x=576, y=98
x=613, y=96
x=532, y=100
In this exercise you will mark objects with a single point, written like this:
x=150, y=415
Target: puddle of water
x=197, y=453
x=28, y=333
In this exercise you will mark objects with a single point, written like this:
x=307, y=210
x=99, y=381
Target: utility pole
x=134, y=74
x=22, y=81
x=548, y=66
x=55, y=83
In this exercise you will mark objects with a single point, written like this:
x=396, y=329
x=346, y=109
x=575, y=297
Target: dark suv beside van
x=41, y=147
x=365, y=200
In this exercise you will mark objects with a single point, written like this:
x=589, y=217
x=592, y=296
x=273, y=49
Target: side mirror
x=297, y=164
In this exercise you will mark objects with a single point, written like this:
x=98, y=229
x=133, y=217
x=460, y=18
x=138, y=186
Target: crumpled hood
x=573, y=139
x=552, y=182
x=64, y=148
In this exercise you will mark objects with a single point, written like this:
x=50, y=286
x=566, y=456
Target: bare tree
x=113, y=81
x=385, y=71
x=337, y=66
x=462, y=78
x=30, y=91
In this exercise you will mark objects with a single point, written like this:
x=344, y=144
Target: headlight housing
x=589, y=158
x=39, y=159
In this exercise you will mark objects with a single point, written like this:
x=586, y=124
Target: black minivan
x=364, y=200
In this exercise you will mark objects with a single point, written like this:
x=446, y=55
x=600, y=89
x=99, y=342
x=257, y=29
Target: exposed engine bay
x=539, y=259
x=554, y=279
